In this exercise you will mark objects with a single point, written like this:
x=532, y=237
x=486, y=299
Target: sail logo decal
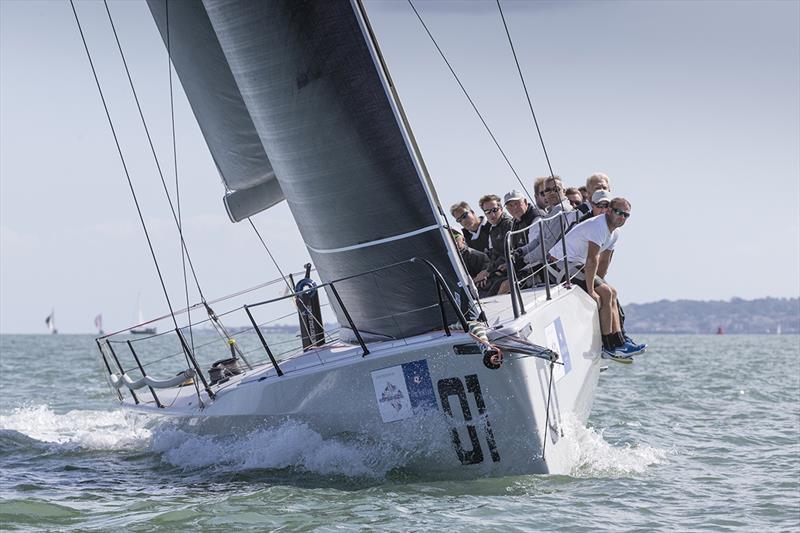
x=403, y=390
x=557, y=341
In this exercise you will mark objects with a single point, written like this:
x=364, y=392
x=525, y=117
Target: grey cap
x=513, y=195
x=601, y=196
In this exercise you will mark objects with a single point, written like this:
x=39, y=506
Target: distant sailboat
x=720, y=331
x=98, y=323
x=140, y=329
x=51, y=322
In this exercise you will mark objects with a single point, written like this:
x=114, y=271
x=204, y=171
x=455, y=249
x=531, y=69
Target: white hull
x=478, y=421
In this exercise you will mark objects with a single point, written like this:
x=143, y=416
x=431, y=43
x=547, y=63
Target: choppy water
x=702, y=433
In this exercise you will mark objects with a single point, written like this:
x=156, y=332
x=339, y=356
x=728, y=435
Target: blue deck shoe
x=629, y=349
x=616, y=355
x=640, y=347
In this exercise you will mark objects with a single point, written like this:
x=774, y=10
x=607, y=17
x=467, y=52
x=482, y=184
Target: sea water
x=700, y=433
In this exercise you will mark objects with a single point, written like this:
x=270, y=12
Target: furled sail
x=218, y=106
x=311, y=81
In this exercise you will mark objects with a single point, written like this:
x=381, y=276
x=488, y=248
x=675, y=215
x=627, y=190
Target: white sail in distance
x=50, y=321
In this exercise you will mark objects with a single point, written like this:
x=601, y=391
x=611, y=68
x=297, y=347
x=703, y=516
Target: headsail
x=218, y=106
x=309, y=78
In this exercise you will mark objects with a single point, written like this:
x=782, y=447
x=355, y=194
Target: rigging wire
x=175, y=167
x=177, y=194
x=274, y=262
x=472, y=103
x=221, y=330
x=130, y=182
x=153, y=150
x=124, y=165
x=175, y=155
x=547, y=417
x=525, y=87
x=285, y=278
x=562, y=220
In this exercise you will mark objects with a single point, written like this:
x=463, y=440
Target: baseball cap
x=513, y=195
x=601, y=196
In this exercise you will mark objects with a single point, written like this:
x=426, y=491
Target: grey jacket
x=551, y=230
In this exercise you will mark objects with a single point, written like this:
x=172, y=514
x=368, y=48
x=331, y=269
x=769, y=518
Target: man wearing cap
x=596, y=182
x=599, y=203
x=524, y=214
x=591, y=244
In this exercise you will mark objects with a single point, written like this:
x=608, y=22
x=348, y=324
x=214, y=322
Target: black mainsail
x=293, y=101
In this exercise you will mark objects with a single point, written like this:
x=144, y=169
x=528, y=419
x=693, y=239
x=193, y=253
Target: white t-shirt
x=595, y=230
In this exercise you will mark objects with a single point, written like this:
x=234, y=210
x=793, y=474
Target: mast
x=413, y=147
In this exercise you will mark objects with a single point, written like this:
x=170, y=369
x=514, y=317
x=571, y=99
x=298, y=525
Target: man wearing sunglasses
x=538, y=194
x=596, y=182
x=475, y=228
x=599, y=202
x=590, y=245
x=552, y=229
x=492, y=280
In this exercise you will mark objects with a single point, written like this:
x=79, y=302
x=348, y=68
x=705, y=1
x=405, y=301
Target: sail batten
x=376, y=242
x=310, y=83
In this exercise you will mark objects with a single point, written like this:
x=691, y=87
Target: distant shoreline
x=762, y=316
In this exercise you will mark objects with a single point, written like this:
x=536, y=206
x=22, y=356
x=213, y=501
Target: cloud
x=14, y=243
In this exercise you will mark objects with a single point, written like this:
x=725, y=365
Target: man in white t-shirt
x=591, y=244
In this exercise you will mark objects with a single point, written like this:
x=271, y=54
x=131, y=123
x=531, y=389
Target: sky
x=692, y=109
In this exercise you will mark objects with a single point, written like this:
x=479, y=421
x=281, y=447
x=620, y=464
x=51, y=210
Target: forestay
x=301, y=81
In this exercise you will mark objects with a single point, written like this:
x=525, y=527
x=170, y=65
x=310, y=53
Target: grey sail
x=310, y=82
x=218, y=106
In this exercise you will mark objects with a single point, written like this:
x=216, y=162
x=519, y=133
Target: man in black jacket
x=524, y=215
x=475, y=260
x=493, y=280
x=475, y=228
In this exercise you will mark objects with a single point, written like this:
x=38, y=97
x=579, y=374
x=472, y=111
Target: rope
x=124, y=165
x=474, y=107
x=547, y=416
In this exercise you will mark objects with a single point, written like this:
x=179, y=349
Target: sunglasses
x=601, y=205
x=541, y=193
x=492, y=210
x=462, y=216
x=621, y=213
x=551, y=189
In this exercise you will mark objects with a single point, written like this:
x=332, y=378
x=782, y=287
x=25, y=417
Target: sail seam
x=373, y=243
